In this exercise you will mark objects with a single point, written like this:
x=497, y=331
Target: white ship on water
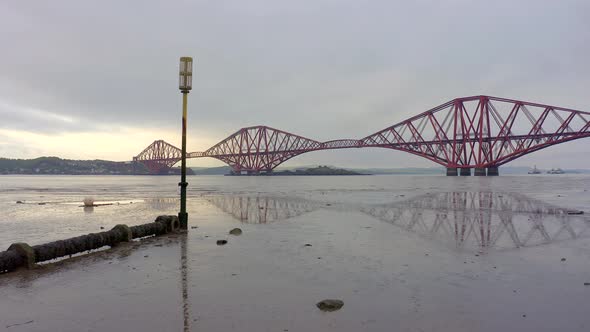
x=555, y=171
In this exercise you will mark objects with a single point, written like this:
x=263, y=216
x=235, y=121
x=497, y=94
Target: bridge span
x=478, y=132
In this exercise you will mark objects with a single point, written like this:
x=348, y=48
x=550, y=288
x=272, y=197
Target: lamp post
x=185, y=83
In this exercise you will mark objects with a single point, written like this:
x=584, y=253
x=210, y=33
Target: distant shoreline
x=58, y=166
x=281, y=174
x=317, y=171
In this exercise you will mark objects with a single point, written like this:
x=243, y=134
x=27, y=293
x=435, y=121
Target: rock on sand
x=330, y=305
x=235, y=231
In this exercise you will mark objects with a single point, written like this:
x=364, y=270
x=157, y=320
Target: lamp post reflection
x=184, y=281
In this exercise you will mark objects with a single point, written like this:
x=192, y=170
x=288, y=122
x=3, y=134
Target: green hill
x=55, y=165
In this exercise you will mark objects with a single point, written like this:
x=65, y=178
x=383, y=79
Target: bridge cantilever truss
x=159, y=156
x=471, y=132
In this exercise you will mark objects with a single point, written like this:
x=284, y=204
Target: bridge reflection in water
x=162, y=203
x=464, y=219
x=262, y=210
x=483, y=219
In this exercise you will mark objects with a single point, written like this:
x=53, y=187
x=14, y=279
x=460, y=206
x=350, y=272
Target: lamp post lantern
x=185, y=83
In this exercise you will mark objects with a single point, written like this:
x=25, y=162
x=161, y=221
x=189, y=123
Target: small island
x=320, y=170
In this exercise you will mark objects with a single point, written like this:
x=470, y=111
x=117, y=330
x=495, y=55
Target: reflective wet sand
x=427, y=260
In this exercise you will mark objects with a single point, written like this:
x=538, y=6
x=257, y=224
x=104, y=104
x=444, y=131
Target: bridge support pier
x=465, y=171
x=451, y=171
x=479, y=171
x=493, y=171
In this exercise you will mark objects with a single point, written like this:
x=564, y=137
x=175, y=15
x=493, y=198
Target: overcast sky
x=98, y=79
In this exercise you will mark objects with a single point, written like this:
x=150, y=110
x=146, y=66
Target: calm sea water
x=404, y=253
x=52, y=209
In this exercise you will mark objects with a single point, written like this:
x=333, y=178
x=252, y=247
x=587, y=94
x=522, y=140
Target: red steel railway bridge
x=478, y=132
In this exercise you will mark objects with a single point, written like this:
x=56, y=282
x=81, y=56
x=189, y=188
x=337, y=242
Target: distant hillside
x=55, y=165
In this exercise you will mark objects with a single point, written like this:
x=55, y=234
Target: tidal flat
x=403, y=253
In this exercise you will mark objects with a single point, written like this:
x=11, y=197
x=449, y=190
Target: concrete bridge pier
x=451, y=171
x=493, y=171
x=479, y=171
x=465, y=171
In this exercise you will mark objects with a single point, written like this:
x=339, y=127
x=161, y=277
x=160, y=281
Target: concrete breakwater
x=22, y=255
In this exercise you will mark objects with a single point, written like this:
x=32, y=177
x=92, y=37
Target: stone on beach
x=221, y=242
x=88, y=201
x=330, y=305
x=235, y=231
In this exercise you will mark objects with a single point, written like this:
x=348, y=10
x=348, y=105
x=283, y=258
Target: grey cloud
x=323, y=69
x=16, y=117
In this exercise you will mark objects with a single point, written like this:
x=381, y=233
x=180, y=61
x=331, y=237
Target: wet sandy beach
x=430, y=261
